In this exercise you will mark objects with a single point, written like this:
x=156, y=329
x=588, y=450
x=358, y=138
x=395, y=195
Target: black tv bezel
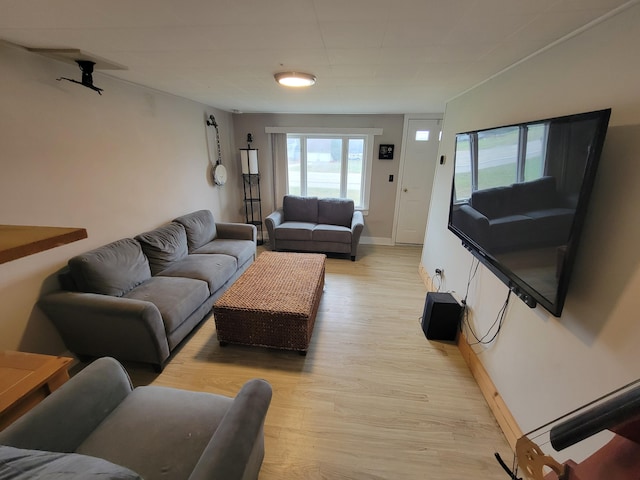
x=529, y=295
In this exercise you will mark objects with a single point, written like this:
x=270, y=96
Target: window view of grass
x=498, y=158
x=323, y=175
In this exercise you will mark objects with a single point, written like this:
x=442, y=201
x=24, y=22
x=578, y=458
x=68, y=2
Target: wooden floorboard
x=373, y=398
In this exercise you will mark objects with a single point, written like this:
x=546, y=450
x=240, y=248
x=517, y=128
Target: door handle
x=405, y=190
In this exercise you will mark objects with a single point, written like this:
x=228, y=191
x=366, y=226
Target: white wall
x=116, y=164
x=544, y=366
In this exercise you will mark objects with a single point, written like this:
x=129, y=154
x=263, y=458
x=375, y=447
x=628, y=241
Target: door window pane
x=422, y=135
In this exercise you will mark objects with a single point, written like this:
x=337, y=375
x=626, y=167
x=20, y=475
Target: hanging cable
x=499, y=320
x=437, y=277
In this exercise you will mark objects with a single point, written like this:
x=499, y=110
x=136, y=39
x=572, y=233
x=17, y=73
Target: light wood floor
x=373, y=399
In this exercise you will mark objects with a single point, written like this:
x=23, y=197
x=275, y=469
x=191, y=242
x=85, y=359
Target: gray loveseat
x=522, y=215
x=136, y=299
x=311, y=224
x=98, y=426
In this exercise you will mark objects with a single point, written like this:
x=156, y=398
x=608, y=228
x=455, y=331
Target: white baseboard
x=376, y=241
x=363, y=240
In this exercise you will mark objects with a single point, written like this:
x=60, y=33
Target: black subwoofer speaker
x=441, y=316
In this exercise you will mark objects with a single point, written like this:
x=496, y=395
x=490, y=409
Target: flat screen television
x=519, y=199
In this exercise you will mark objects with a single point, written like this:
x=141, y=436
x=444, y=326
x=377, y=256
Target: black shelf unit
x=253, y=202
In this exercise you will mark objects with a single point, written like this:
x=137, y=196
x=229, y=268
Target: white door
x=422, y=139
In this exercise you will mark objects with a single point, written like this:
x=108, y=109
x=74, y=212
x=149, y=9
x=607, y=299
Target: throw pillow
x=200, y=227
x=112, y=269
x=164, y=246
x=300, y=209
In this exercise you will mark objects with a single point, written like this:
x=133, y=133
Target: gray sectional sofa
x=312, y=224
x=96, y=426
x=136, y=299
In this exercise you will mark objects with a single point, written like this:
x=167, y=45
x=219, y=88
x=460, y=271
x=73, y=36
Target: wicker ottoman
x=274, y=302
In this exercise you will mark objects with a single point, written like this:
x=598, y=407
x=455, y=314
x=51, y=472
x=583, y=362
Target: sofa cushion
x=200, y=227
x=112, y=269
x=505, y=229
x=536, y=194
x=22, y=464
x=294, y=231
x=331, y=233
x=552, y=226
x=182, y=422
x=214, y=269
x=175, y=297
x=335, y=211
x=493, y=202
x=300, y=209
x=242, y=250
x=164, y=245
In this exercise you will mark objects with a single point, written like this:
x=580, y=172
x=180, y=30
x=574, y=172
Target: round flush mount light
x=295, y=79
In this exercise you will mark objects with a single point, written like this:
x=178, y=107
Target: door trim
x=405, y=133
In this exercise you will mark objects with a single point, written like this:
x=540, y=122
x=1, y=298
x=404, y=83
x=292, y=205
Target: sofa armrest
x=474, y=223
x=357, y=225
x=63, y=420
x=272, y=221
x=102, y=325
x=237, y=231
x=357, y=222
x=236, y=449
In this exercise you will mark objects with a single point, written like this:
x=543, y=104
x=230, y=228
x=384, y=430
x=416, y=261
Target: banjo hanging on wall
x=219, y=172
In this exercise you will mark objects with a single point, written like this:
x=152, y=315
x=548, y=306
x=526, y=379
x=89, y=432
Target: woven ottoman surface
x=274, y=302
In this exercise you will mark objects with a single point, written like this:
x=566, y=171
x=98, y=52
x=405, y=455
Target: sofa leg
x=223, y=344
x=302, y=353
x=353, y=258
x=158, y=367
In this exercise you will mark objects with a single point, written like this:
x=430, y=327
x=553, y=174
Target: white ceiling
x=370, y=56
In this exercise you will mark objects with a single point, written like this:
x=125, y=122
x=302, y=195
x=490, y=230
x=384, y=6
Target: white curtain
x=280, y=168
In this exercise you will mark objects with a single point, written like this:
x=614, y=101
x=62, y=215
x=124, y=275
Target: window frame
x=521, y=157
x=369, y=143
x=342, y=185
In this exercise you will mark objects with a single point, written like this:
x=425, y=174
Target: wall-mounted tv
x=519, y=199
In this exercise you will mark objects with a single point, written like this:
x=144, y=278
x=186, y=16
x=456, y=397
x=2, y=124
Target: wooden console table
x=25, y=380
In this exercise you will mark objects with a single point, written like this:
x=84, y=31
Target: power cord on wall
x=499, y=321
x=481, y=340
x=437, y=277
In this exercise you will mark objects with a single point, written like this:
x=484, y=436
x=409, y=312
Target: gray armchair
x=155, y=432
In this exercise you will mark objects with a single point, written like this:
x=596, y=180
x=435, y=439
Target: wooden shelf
x=17, y=241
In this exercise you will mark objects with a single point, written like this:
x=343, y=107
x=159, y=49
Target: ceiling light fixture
x=295, y=79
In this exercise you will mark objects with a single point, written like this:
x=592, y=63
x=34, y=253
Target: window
x=422, y=135
x=535, y=152
x=463, y=166
x=499, y=157
x=326, y=165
